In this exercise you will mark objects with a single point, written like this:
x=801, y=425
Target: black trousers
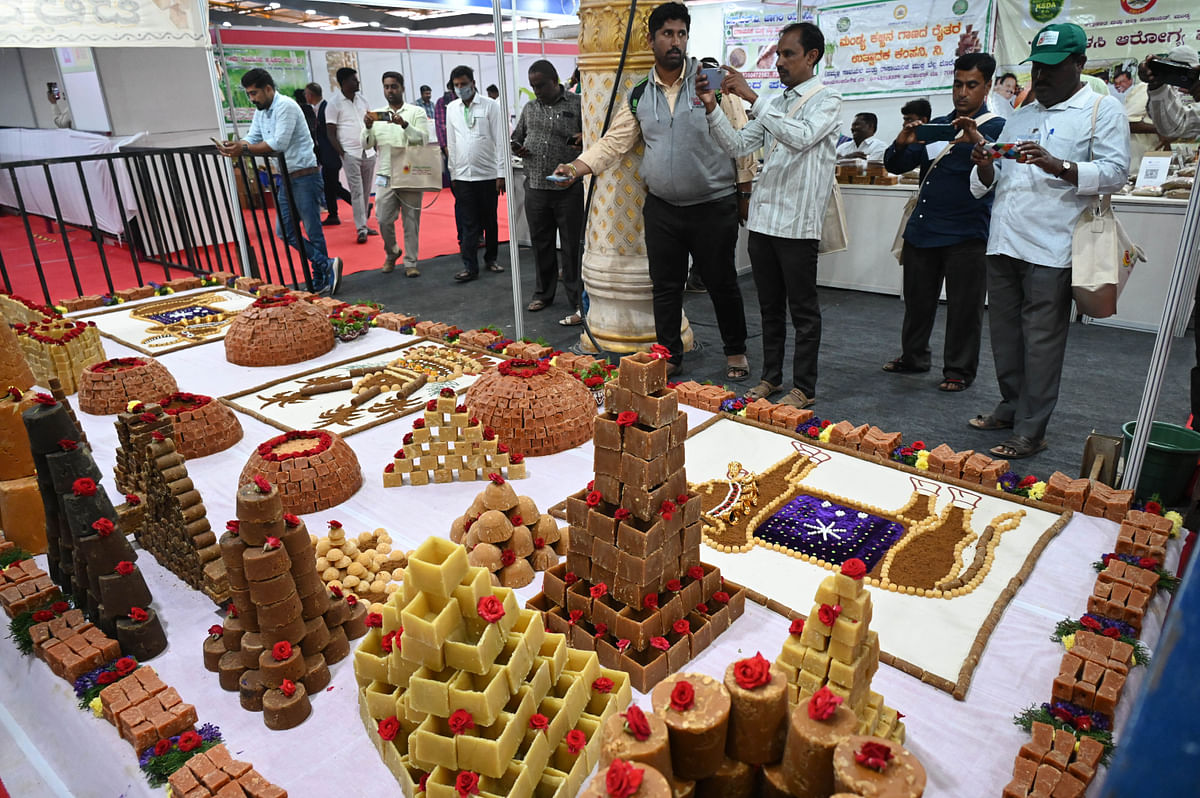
x=1196, y=369
x=963, y=267
x=333, y=186
x=707, y=232
x=785, y=274
x=556, y=212
x=475, y=207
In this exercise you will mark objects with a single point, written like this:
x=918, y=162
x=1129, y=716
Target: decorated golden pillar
x=616, y=273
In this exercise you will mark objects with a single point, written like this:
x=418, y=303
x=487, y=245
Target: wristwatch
x=744, y=194
x=1066, y=168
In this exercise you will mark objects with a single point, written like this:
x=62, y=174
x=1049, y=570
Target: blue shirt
x=946, y=213
x=283, y=128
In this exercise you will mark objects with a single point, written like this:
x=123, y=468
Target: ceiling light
x=373, y=24
x=343, y=18
x=310, y=12
x=226, y=24
x=273, y=6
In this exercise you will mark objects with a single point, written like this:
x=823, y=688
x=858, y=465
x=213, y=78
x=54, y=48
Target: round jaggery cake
x=534, y=407
x=202, y=426
x=312, y=469
x=277, y=330
x=110, y=385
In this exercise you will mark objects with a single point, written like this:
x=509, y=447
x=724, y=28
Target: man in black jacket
x=327, y=156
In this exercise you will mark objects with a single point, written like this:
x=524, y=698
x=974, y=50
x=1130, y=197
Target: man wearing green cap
x=1072, y=145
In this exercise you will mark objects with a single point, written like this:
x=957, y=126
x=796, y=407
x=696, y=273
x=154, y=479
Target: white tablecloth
x=967, y=747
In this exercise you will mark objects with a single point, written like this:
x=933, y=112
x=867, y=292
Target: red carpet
x=438, y=237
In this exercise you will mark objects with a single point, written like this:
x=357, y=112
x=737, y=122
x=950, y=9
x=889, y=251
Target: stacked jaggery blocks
x=534, y=407
x=135, y=432
x=836, y=648
x=202, y=426
x=109, y=386
x=633, y=588
x=70, y=645
x=505, y=534
x=21, y=515
x=460, y=687
x=59, y=348
x=24, y=586
x=313, y=469
x=275, y=331
x=448, y=442
x=14, y=369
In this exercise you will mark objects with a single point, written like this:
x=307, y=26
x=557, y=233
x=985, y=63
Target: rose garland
x=55, y=332
x=15, y=554
x=191, y=401
x=1067, y=716
x=89, y=685
x=1166, y=580
x=522, y=367
x=1064, y=632
x=18, y=627
x=283, y=300
x=267, y=450
x=168, y=755
x=116, y=364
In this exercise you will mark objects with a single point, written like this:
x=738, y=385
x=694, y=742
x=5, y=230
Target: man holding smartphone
x=946, y=236
x=399, y=126
x=549, y=132
x=1170, y=116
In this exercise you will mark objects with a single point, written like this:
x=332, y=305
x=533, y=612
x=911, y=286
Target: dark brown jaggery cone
x=142, y=639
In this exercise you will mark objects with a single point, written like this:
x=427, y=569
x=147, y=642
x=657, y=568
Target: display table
x=967, y=747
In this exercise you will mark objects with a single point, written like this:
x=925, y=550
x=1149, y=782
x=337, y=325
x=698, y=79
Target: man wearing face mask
x=1072, y=145
x=696, y=196
x=476, y=134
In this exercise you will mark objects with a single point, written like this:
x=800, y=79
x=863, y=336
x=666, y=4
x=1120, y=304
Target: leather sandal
x=988, y=422
x=763, y=390
x=1018, y=447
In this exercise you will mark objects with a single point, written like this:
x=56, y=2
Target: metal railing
x=144, y=209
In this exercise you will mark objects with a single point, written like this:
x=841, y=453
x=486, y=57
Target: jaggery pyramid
x=135, y=432
x=633, y=587
x=447, y=442
x=505, y=534
x=461, y=686
x=282, y=632
x=836, y=648
x=175, y=527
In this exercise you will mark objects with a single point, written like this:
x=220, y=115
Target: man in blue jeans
x=279, y=127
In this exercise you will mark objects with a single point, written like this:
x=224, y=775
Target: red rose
x=621, y=514
x=539, y=543
x=460, y=409
x=216, y=630
x=674, y=586
x=702, y=608
x=570, y=578
x=1112, y=631
x=421, y=783
x=107, y=677
x=233, y=611
x=431, y=405
x=189, y=741
x=650, y=602
x=1148, y=563
x=623, y=779
x=752, y=673
x=918, y=445
x=466, y=783
x=1029, y=481
x=158, y=436
x=59, y=607
x=623, y=644
x=681, y=627
x=386, y=642
x=490, y=609
x=516, y=458
x=261, y=483
x=45, y=399
x=161, y=747
x=636, y=723
x=1083, y=722
x=683, y=695
x=823, y=704
x=696, y=572
x=854, y=568
x=1090, y=623
x=576, y=741
x=446, y=392
x=149, y=418
x=288, y=688
x=374, y=620
x=233, y=526
x=627, y=418
x=125, y=666
x=508, y=557
x=601, y=629
x=516, y=520
x=1154, y=507
x=829, y=615
x=574, y=617
x=68, y=445
x=335, y=591
x=496, y=478
x=1063, y=714
x=272, y=544
x=281, y=650
x=603, y=685
x=594, y=498
x=661, y=643
x=721, y=596
x=659, y=352
x=598, y=591
x=539, y=722
x=103, y=526
x=489, y=434
x=419, y=423
x=681, y=499
x=124, y=568
x=874, y=756
x=407, y=439
x=41, y=616
x=388, y=728
x=460, y=721
x=138, y=615
x=591, y=484
x=293, y=520
x=352, y=599
x=84, y=486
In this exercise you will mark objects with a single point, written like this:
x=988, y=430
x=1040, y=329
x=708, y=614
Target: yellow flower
x=1068, y=642
x=1176, y=522
x=97, y=706
x=825, y=433
x=61, y=308
x=132, y=404
x=922, y=464
x=1133, y=660
x=120, y=300
x=168, y=290
x=1037, y=490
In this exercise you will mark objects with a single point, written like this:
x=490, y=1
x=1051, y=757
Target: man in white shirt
x=62, y=111
x=344, y=118
x=1064, y=164
x=863, y=143
x=797, y=131
x=476, y=137
x=398, y=126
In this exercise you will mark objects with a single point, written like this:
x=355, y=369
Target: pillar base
x=621, y=308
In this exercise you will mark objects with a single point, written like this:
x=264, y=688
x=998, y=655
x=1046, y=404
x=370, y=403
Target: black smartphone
x=927, y=132
x=1172, y=73
x=382, y=116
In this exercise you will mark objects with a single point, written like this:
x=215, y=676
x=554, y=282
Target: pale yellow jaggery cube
x=419, y=478
x=518, y=781
x=591, y=726
x=370, y=663
x=539, y=679
x=857, y=608
x=432, y=657
x=514, y=661
x=489, y=751
x=560, y=721
x=404, y=710
x=512, y=610
x=844, y=653
x=532, y=754
x=815, y=662
x=846, y=587
x=400, y=670
x=475, y=584
x=847, y=674
x=553, y=784
x=434, y=742
x=437, y=566
x=619, y=697
x=477, y=653
x=790, y=671
x=431, y=620
x=573, y=692
x=554, y=650
x=815, y=634
x=849, y=632
x=531, y=626
x=380, y=698
x=482, y=696
x=826, y=593
x=810, y=682
x=583, y=664
x=429, y=691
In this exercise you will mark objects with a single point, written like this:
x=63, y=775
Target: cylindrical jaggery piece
x=318, y=677
x=698, y=733
x=904, y=776
x=757, y=718
x=214, y=649
x=772, y=784
x=617, y=743
x=275, y=671
x=732, y=780
x=251, y=690
x=338, y=646
x=653, y=784
x=808, y=754
x=282, y=712
x=230, y=668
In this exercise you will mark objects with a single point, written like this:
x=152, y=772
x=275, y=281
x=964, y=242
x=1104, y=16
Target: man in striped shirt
x=798, y=132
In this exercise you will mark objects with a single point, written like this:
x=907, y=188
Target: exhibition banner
x=882, y=47
x=1119, y=31
x=97, y=23
x=289, y=68
x=751, y=36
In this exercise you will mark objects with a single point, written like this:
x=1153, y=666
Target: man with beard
x=400, y=125
x=696, y=193
x=1072, y=145
x=946, y=236
x=278, y=127
x=797, y=131
x=345, y=125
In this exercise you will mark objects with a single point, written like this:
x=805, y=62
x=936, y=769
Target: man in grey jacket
x=696, y=193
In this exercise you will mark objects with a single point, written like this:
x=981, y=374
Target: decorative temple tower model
x=135, y=432
x=835, y=648
x=459, y=686
x=633, y=587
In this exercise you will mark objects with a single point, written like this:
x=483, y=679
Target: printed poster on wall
x=289, y=68
x=129, y=23
x=882, y=47
x=1120, y=32
x=751, y=36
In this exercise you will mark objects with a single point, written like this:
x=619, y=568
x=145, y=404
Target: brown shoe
x=412, y=271
x=388, y=266
x=762, y=390
x=797, y=398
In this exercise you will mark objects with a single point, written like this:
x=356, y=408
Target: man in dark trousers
x=331, y=164
x=946, y=236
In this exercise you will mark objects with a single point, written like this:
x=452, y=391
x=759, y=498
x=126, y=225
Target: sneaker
x=371, y=232
x=362, y=237
x=412, y=271
x=388, y=266
x=335, y=278
x=330, y=221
